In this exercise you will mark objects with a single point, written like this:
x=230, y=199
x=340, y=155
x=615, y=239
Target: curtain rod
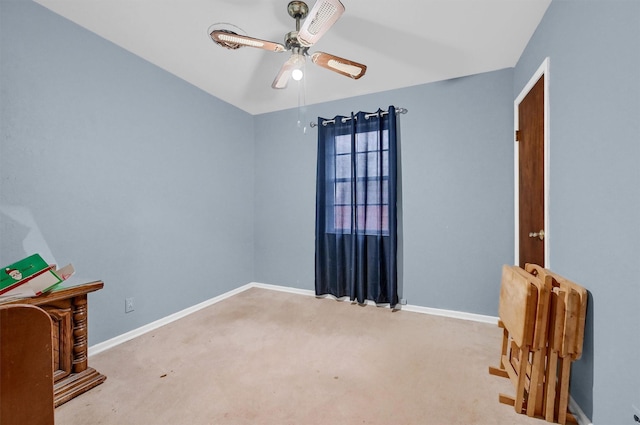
x=345, y=119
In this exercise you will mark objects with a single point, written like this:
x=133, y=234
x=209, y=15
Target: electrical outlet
x=128, y=305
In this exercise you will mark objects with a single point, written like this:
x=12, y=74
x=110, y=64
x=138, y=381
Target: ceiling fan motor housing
x=298, y=9
x=291, y=42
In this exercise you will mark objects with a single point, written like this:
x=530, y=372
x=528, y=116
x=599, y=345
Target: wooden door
x=530, y=139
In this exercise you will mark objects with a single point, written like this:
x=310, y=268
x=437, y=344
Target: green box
x=32, y=271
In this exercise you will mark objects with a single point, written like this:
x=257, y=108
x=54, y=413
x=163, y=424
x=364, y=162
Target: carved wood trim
x=61, y=318
x=80, y=340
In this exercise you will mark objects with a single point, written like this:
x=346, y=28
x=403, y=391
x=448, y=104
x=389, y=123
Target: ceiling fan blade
x=342, y=66
x=321, y=17
x=282, y=79
x=231, y=40
x=296, y=61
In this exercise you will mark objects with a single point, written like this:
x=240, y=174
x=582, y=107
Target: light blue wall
x=457, y=172
x=172, y=196
x=131, y=174
x=594, y=51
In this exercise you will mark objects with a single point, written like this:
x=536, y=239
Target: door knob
x=539, y=234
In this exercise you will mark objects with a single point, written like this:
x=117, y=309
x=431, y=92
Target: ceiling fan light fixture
x=297, y=74
x=295, y=63
x=298, y=61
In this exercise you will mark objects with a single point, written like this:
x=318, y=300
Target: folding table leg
x=563, y=389
x=505, y=342
x=500, y=370
x=522, y=364
x=551, y=381
x=536, y=384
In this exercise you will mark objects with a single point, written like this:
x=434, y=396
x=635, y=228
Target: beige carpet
x=268, y=357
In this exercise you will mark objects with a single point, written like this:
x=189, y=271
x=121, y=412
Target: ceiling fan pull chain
x=302, y=107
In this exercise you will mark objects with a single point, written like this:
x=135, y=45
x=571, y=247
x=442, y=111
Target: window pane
x=364, y=140
x=360, y=218
x=385, y=140
x=343, y=166
x=369, y=141
x=385, y=218
x=361, y=192
x=385, y=163
x=373, y=192
x=372, y=139
x=343, y=193
x=373, y=217
x=377, y=218
x=385, y=191
x=342, y=217
x=368, y=191
x=361, y=142
x=343, y=144
x=361, y=165
x=373, y=164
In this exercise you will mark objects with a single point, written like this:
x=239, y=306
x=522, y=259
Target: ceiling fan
x=321, y=17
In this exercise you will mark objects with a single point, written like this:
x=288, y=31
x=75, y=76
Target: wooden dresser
x=68, y=309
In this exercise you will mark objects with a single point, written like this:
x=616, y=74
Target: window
x=356, y=207
x=361, y=175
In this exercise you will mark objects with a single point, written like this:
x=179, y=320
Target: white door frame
x=542, y=70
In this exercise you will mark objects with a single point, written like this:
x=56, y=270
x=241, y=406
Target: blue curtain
x=356, y=215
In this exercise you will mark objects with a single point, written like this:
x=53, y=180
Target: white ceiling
x=402, y=42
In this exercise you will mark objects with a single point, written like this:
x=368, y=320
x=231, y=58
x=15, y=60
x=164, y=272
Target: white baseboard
x=282, y=288
x=452, y=314
x=578, y=413
x=110, y=343
x=105, y=345
x=102, y=346
x=408, y=307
